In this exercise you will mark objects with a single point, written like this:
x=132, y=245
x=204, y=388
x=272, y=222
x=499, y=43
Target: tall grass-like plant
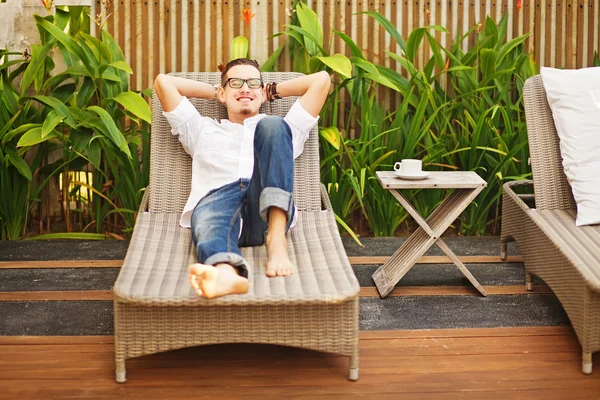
x=16, y=175
x=460, y=111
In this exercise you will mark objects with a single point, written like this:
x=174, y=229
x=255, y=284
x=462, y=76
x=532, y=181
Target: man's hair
x=238, y=61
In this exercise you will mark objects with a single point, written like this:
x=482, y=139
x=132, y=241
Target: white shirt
x=224, y=152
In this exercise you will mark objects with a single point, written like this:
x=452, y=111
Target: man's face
x=242, y=102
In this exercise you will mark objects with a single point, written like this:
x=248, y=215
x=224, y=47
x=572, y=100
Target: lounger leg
x=353, y=368
x=120, y=371
x=586, y=365
x=528, y=281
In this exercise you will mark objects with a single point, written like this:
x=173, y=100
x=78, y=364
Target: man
x=242, y=169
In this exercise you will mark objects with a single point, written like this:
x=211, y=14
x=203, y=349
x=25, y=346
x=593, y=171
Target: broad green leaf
x=338, y=63
x=273, y=60
x=488, y=61
x=310, y=22
x=19, y=164
x=114, y=134
x=69, y=43
x=305, y=37
x=332, y=135
x=8, y=125
x=52, y=119
x=110, y=75
x=435, y=49
x=135, y=104
x=34, y=136
x=509, y=46
x=413, y=43
x=94, y=152
x=389, y=27
x=85, y=92
x=19, y=130
x=239, y=47
x=121, y=65
x=58, y=106
x=354, y=49
x=36, y=63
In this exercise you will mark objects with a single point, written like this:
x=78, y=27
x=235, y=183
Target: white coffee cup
x=408, y=167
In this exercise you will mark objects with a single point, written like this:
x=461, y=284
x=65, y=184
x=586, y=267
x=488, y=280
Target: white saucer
x=414, y=177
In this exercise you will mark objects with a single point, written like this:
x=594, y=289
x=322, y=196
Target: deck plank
x=495, y=363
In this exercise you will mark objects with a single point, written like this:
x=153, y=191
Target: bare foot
x=278, y=262
x=220, y=280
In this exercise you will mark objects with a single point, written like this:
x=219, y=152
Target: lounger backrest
x=171, y=167
x=552, y=190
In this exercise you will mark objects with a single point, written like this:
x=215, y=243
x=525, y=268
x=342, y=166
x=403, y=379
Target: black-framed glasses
x=236, y=83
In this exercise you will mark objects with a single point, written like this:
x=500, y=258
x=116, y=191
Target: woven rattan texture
x=155, y=267
x=565, y=256
x=170, y=176
x=551, y=186
x=544, y=256
x=328, y=329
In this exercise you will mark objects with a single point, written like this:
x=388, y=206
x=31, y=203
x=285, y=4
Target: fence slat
x=166, y=35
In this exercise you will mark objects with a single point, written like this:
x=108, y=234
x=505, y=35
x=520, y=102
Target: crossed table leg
x=428, y=233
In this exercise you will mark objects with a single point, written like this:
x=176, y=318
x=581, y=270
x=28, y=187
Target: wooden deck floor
x=495, y=363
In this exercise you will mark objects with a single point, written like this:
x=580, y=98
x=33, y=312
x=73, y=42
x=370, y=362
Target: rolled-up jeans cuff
x=275, y=197
x=235, y=260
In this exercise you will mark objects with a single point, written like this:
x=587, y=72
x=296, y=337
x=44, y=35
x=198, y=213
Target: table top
x=436, y=180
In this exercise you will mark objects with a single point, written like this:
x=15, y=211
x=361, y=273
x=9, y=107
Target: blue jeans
x=216, y=218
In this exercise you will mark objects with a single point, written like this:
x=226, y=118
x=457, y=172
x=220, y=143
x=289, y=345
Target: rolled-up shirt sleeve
x=186, y=122
x=301, y=122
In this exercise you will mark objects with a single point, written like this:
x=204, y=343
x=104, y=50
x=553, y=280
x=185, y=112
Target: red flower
x=519, y=5
x=247, y=15
x=447, y=64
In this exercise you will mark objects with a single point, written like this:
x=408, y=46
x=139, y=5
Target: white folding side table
x=466, y=185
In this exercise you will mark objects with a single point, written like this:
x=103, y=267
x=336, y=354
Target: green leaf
x=509, y=46
x=488, y=61
x=271, y=64
x=20, y=165
x=69, y=43
x=239, y=47
x=354, y=49
x=135, y=104
x=52, y=119
x=301, y=35
x=19, y=130
x=310, y=23
x=121, y=65
x=58, y=106
x=338, y=63
x=332, y=135
x=414, y=41
x=389, y=27
x=85, y=92
x=8, y=125
x=34, y=136
x=94, y=152
x=38, y=60
x=350, y=231
x=114, y=134
x=110, y=75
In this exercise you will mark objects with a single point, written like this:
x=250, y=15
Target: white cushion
x=574, y=97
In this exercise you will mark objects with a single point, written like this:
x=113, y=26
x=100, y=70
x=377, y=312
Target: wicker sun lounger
x=565, y=256
x=156, y=310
